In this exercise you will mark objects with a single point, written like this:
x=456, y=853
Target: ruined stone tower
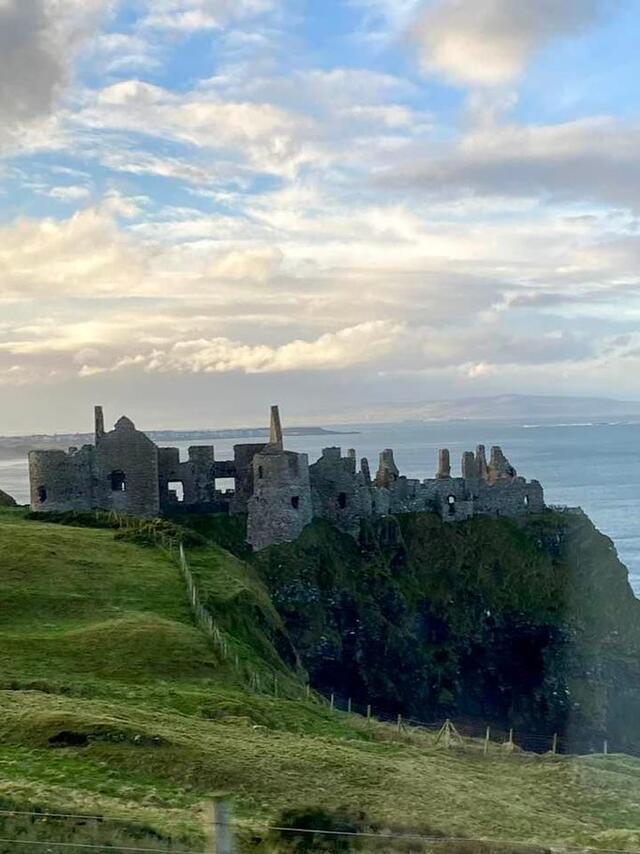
x=280, y=507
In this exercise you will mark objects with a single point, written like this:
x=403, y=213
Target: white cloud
x=354, y=345
x=85, y=254
x=270, y=138
x=490, y=42
x=190, y=15
x=257, y=265
x=69, y=194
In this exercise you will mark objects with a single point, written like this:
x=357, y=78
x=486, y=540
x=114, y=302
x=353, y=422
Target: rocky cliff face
x=530, y=624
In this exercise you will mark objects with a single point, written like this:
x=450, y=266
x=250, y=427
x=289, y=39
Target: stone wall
x=517, y=497
x=243, y=456
x=280, y=507
x=62, y=481
x=126, y=471
x=119, y=473
x=336, y=491
x=197, y=476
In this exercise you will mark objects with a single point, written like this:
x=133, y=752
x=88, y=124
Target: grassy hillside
x=113, y=703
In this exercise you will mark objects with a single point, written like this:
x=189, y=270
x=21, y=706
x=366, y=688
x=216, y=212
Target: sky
x=208, y=206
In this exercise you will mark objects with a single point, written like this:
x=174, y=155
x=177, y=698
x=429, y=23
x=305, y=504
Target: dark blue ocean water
x=594, y=466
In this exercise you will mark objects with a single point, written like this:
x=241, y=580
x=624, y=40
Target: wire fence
x=448, y=843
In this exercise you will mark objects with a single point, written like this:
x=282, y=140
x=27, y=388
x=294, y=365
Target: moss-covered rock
x=530, y=624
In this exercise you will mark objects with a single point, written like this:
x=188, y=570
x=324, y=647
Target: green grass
x=113, y=703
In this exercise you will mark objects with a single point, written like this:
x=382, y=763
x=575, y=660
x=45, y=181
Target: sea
x=593, y=465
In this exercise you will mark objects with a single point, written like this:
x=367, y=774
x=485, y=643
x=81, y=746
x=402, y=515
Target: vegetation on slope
x=528, y=624
x=112, y=703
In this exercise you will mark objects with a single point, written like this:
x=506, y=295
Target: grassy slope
x=96, y=640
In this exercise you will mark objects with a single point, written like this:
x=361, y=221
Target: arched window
x=118, y=481
x=295, y=502
x=526, y=501
x=42, y=494
x=260, y=472
x=342, y=500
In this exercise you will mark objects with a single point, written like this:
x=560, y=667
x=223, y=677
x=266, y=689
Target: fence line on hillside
x=222, y=833
x=203, y=618
x=273, y=681
x=472, y=734
x=173, y=546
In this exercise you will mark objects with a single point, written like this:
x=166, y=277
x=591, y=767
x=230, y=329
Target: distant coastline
x=12, y=447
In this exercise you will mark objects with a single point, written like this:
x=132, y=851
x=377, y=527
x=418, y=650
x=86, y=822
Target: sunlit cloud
x=490, y=42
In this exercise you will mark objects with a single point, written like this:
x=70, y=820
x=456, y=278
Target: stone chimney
x=99, y=423
x=275, y=439
x=469, y=466
x=388, y=471
x=481, y=462
x=444, y=464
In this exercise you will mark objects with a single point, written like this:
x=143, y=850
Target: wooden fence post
x=369, y=714
x=308, y=691
x=511, y=736
x=222, y=829
x=487, y=738
x=554, y=748
x=349, y=705
x=399, y=724
x=605, y=747
x=332, y=702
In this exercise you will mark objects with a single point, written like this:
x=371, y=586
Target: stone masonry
x=277, y=489
x=125, y=471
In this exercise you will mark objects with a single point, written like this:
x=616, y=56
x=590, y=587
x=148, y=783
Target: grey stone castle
x=277, y=489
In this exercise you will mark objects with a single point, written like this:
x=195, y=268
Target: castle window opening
x=118, y=481
x=526, y=501
x=451, y=501
x=42, y=494
x=176, y=490
x=342, y=500
x=295, y=502
x=226, y=485
x=260, y=472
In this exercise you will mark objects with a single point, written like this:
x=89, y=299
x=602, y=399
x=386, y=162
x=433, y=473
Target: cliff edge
x=529, y=623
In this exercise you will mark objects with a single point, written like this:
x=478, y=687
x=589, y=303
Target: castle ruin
x=277, y=489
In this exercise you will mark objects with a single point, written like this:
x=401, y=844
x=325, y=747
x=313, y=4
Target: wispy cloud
x=189, y=15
